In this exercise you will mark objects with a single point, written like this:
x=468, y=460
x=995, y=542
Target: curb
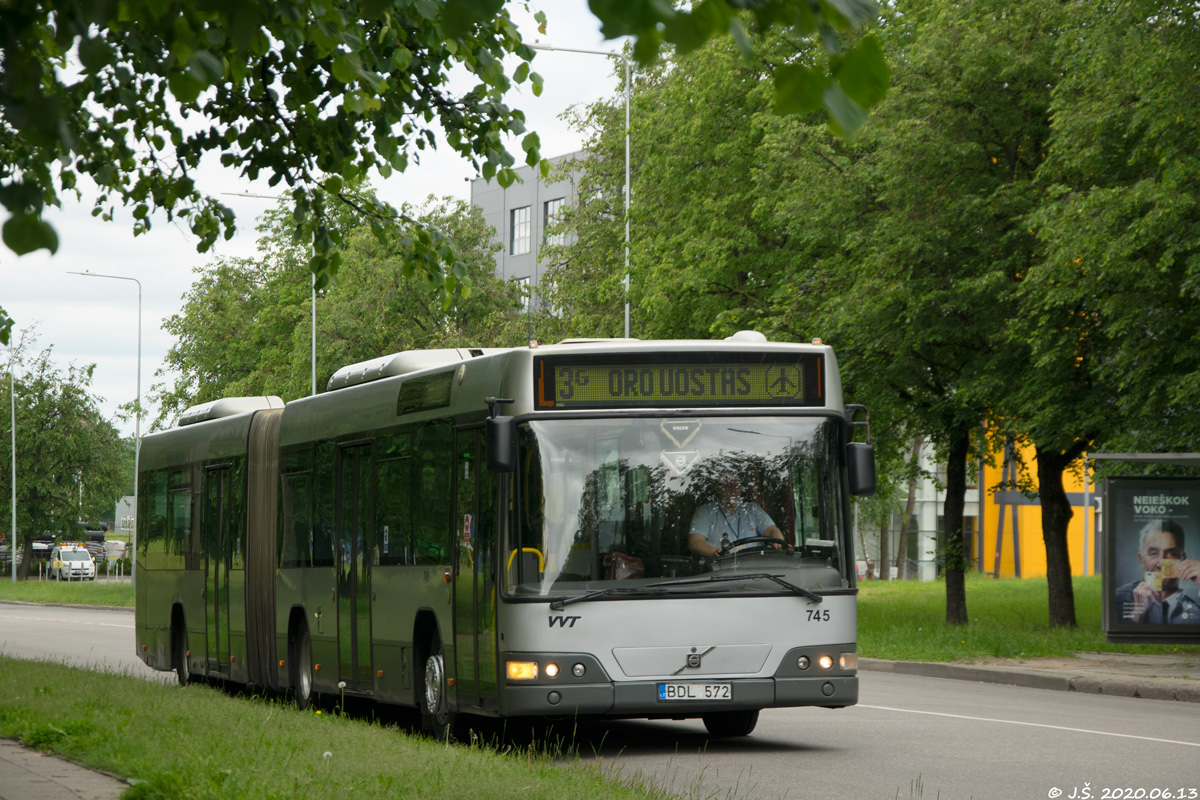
x=1187, y=691
x=130, y=609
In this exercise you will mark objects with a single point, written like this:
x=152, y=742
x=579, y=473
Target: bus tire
x=179, y=649
x=730, y=723
x=302, y=671
x=437, y=720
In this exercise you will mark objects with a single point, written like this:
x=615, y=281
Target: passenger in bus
x=719, y=524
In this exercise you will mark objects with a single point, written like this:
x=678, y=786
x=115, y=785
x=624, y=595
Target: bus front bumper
x=641, y=698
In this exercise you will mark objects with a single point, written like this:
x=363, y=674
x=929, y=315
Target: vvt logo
x=563, y=622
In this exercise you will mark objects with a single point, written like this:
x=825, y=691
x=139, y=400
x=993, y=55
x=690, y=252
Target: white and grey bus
x=537, y=531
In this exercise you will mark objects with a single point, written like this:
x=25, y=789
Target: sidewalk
x=1150, y=677
x=27, y=775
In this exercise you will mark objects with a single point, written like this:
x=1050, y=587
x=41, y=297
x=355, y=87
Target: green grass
x=201, y=743
x=84, y=593
x=1008, y=618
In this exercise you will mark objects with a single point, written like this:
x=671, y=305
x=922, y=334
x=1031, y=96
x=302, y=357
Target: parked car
x=72, y=562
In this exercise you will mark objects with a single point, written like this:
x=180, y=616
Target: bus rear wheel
x=730, y=723
x=179, y=658
x=302, y=671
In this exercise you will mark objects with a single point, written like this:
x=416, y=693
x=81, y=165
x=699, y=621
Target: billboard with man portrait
x=1152, y=559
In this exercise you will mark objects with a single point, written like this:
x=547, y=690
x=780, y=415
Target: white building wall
x=498, y=203
x=927, y=508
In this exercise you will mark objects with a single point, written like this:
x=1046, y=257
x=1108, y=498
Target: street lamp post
x=137, y=410
x=625, y=58
x=12, y=395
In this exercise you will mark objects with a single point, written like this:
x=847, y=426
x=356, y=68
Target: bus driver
x=720, y=523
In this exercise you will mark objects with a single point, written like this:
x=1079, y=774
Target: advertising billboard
x=1151, y=585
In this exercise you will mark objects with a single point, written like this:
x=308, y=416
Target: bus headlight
x=522, y=670
x=552, y=670
x=802, y=662
x=578, y=670
x=826, y=662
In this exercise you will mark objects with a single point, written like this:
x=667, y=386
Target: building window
x=520, y=221
x=553, y=216
x=971, y=478
x=526, y=287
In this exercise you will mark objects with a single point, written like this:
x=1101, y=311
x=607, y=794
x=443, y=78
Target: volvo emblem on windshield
x=693, y=660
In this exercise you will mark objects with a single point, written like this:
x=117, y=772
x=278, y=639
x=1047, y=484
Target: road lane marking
x=1034, y=725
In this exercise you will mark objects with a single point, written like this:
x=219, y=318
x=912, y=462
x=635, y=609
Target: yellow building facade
x=1010, y=543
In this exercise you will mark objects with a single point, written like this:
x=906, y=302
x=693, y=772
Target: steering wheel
x=763, y=542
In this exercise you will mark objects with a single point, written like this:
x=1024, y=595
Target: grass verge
x=901, y=620
x=1008, y=618
x=83, y=593
x=201, y=743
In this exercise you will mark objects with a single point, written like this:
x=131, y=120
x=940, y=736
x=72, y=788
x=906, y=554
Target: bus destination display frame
x=693, y=380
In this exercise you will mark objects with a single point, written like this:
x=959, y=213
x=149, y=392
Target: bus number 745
x=818, y=614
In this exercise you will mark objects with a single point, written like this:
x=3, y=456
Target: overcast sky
x=95, y=320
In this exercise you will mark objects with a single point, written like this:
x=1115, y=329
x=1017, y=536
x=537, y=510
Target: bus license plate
x=695, y=691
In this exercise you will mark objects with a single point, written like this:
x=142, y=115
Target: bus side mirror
x=860, y=464
x=500, y=434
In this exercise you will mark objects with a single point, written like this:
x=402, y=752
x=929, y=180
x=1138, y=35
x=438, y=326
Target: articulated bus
x=543, y=531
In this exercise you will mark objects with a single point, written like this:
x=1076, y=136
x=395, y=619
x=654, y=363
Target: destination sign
x=609, y=382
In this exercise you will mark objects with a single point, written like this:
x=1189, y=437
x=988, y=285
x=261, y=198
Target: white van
x=72, y=562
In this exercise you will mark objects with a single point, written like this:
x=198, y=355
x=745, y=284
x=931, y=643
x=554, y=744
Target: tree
x=70, y=460
x=925, y=282
x=1109, y=323
x=843, y=86
x=132, y=95
x=245, y=325
x=709, y=251
x=696, y=136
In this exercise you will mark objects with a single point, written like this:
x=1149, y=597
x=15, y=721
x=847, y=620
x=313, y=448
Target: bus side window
x=393, y=511
x=180, y=524
x=431, y=493
x=295, y=509
x=236, y=513
x=152, y=519
x=322, y=528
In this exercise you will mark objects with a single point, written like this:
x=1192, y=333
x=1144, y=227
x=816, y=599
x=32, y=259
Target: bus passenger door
x=217, y=555
x=354, y=568
x=475, y=581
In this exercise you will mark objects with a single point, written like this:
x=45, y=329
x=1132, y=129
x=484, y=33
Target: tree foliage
x=71, y=462
x=245, y=328
x=131, y=95
x=851, y=79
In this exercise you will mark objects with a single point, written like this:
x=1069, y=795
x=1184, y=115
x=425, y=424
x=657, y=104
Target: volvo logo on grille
x=694, y=660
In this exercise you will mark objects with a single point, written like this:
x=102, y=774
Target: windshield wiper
x=813, y=596
x=557, y=605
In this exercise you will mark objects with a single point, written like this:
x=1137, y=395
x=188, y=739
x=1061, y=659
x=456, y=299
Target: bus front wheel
x=730, y=723
x=436, y=717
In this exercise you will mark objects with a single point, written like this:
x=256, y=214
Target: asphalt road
x=910, y=737
x=95, y=638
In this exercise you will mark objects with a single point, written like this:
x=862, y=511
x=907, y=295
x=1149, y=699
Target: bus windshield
x=624, y=504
